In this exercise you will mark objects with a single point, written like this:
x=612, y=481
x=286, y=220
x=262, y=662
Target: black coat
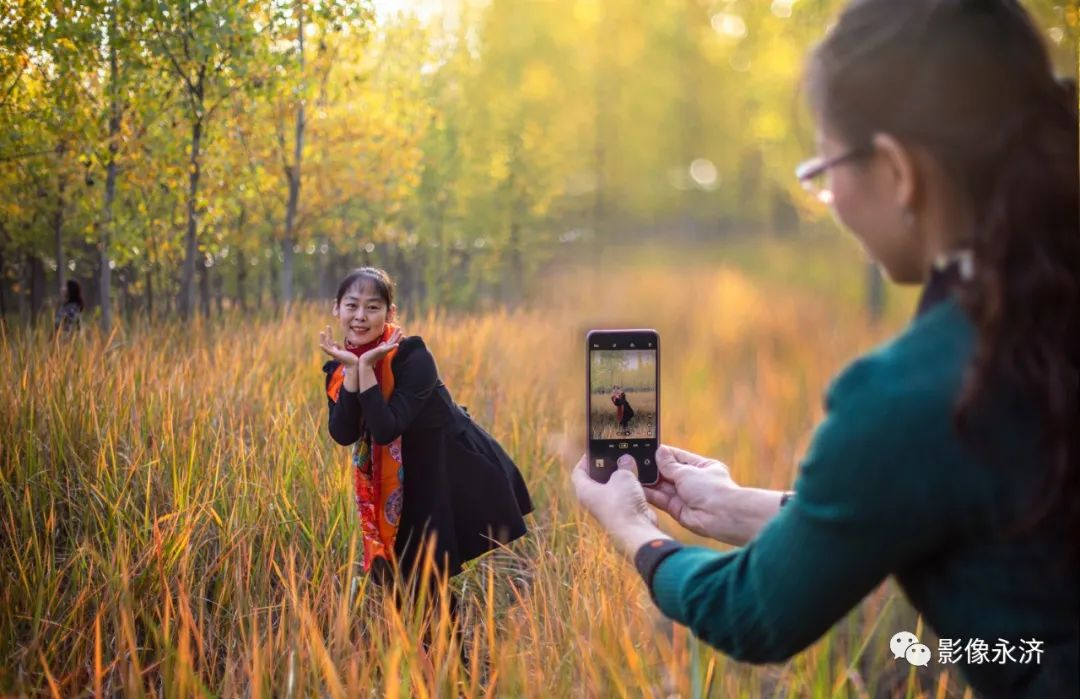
x=459, y=483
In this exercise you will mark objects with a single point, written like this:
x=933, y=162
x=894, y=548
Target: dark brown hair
x=74, y=294
x=377, y=278
x=970, y=81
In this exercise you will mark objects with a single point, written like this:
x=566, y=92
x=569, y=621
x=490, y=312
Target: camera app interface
x=622, y=394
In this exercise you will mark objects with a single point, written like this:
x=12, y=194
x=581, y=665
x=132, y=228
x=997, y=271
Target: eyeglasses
x=811, y=173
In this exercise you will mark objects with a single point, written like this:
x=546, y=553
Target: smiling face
x=363, y=313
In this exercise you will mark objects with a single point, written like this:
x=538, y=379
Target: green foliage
x=462, y=151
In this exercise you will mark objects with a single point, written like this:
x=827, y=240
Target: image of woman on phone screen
x=623, y=412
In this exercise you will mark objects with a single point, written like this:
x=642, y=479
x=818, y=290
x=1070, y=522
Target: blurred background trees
x=182, y=157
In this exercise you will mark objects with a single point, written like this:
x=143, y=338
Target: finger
x=666, y=461
x=687, y=458
x=666, y=487
x=579, y=476
x=657, y=498
x=681, y=455
x=627, y=463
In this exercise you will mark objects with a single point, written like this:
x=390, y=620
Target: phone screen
x=623, y=400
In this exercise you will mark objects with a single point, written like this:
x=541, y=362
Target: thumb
x=627, y=463
x=669, y=466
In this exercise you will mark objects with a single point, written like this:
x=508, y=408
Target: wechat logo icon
x=906, y=645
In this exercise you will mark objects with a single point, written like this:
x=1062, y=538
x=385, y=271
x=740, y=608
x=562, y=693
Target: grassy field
x=604, y=416
x=174, y=518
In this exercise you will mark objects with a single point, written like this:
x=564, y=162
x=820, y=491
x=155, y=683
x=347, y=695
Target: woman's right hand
x=332, y=348
x=696, y=491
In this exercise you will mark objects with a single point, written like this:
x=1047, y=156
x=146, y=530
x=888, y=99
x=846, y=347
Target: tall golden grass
x=175, y=519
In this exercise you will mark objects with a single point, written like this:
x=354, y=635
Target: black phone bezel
x=621, y=338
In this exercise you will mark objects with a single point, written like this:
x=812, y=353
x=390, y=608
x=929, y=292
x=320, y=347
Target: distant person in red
x=623, y=412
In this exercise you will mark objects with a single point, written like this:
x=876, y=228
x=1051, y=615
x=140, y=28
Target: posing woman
x=949, y=457
x=623, y=411
x=425, y=474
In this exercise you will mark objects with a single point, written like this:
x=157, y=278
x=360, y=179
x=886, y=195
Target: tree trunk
x=127, y=299
x=241, y=278
x=150, y=292
x=37, y=285
x=58, y=227
x=22, y=297
x=204, y=288
x=219, y=293
x=3, y=277
x=273, y=272
x=286, y=276
x=293, y=171
x=260, y=276
x=105, y=233
x=187, y=281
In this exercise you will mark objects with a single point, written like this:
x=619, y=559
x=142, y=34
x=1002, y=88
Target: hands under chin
x=330, y=346
x=368, y=359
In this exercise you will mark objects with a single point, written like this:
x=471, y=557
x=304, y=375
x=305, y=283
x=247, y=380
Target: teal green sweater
x=887, y=488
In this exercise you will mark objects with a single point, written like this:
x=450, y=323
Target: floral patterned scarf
x=378, y=472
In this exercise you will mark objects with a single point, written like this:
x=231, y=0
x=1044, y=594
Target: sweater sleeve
x=863, y=507
x=344, y=413
x=415, y=377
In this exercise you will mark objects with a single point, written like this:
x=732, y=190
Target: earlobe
x=392, y=313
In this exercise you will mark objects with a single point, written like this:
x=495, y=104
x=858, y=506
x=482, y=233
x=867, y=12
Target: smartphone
x=622, y=401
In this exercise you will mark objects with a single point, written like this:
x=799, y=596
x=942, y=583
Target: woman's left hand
x=368, y=359
x=618, y=505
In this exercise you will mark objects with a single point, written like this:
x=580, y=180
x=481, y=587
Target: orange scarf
x=377, y=468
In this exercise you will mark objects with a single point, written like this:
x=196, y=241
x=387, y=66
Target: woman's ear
x=900, y=166
x=392, y=313
x=334, y=310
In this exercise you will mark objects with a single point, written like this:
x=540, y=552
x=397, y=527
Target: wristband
x=649, y=557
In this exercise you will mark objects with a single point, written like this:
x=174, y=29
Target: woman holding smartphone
x=949, y=457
